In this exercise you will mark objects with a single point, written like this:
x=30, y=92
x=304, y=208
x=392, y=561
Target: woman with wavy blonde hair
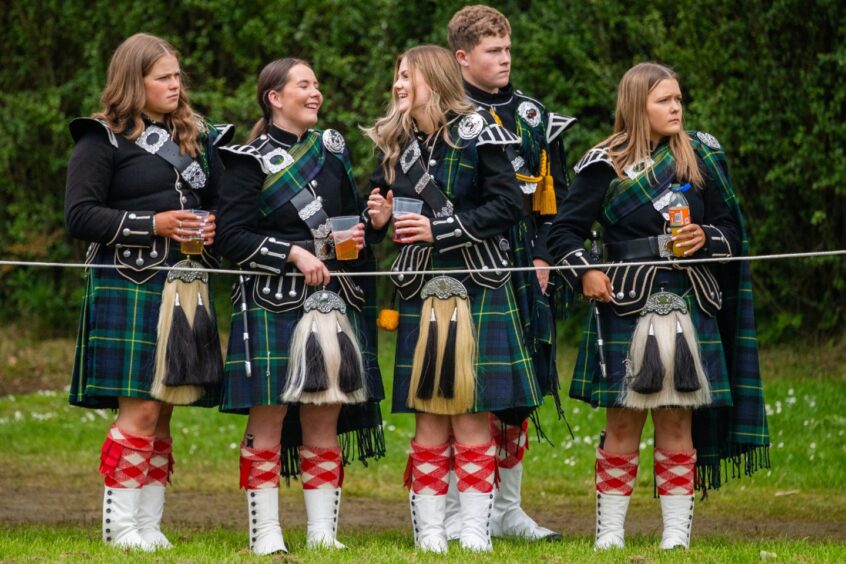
x=460, y=351
x=663, y=338
x=138, y=167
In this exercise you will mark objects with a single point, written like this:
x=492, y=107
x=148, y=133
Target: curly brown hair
x=472, y=23
x=123, y=97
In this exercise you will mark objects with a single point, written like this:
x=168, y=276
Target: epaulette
x=228, y=153
x=558, y=123
x=494, y=134
x=595, y=155
x=225, y=132
x=81, y=125
x=706, y=139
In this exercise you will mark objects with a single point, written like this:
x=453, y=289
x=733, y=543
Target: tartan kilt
x=116, y=342
x=588, y=384
x=505, y=377
x=535, y=309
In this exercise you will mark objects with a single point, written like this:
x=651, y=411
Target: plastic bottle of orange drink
x=679, y=213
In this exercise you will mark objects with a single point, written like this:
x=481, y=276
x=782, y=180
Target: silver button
x=282, y=256
x=450, y=219
x=632, y=293
x=265, y=290
x=457, y=232
x=253, y=264
x=578, y=254
x=126, y=232
x=184, y=199
x=272, y=239
x=139, y=261
x=262, y=136
x=313, y=183
x=278, y=295
x=401, y=277
x=292, y=293
x=468, y=244
x=432, y=162
x=319, y=198
x=263, y=250
x=127, y=253
x=713, y=295
x=132, y=216
x=484, y=267
x=620, y=295
x=154, y=254
x=504, y=262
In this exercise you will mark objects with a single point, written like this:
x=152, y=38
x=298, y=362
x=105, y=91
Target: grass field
x=51, y=491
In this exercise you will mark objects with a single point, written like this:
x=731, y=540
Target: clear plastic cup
x=343, y=228
x=194, y=246
x=402, y=206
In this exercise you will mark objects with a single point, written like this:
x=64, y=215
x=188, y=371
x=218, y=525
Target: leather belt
x=637, y=249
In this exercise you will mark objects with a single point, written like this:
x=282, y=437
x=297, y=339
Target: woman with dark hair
x=460, y=351
x=137, y=169
x=676, y=339
x=302, y=349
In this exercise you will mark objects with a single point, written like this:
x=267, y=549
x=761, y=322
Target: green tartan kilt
x=588, y=384
x=359, y=426
x=116, y=342
x=505, y=376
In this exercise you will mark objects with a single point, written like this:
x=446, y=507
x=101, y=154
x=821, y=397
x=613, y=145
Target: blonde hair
x=439, y=70
x=124, y=96
x=630, y=142
x=471, y=24
x=274, y=76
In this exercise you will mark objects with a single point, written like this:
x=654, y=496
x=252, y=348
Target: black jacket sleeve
x=87, y=213
x=501, y=205
x=238, y=214
x=571, y=227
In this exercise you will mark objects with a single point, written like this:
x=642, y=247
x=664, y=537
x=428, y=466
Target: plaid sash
x=739, y=434
x=278, y=189
x=625, y=195
x=456, y=173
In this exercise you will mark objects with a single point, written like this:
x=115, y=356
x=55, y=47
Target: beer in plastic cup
x=194, y=246
x=343, y=228
x=402, y=206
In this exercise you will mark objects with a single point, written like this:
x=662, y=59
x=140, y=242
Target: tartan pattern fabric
x=588, y=384
x=475, y=467
x=427, y=470
x=321, y=468
x=125, y=459
x=674, y=471
x=625, y=195
x=616, y=473
x=511, y=441
x=278, y=188
x=455, y=175
x=532, y=139
x=739, y=435
x=161, y=463
x=504, y=372
x=116, y=343
x=259, y=467
x=270, y=337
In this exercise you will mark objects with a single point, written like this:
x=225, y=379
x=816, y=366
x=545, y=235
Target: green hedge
x=766, y=80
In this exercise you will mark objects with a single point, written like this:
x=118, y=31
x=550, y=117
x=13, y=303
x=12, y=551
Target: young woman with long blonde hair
x=138, y=167
x=676, y=339
x=460, y=351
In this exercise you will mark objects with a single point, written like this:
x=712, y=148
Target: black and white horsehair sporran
x=664, y=365
x=443, y=373
x=188, y=354
x=325, y=365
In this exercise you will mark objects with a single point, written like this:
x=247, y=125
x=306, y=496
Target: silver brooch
x=709, y=140
x=334, y=141
x=278, y=159
x=324, y=301
x=530, y=113
x=471, y=126
x=443, y=287
x=194, y=175
x=152, y=139
x=664, y=303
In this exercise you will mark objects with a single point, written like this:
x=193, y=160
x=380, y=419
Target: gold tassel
x=496, y=117
x=543, y=201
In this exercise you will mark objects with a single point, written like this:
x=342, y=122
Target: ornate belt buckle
x=324, y=248
x=665, y=246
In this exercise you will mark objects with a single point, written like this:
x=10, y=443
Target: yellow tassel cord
x=543, y=201
x=496, y=117
x=388, y=319
x=465, y=357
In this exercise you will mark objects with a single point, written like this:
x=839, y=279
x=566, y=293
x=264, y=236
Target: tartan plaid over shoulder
x=739, y=434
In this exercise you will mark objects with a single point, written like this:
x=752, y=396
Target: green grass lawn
x=51, y=491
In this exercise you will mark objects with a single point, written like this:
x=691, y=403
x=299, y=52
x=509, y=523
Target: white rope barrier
x=663, y=262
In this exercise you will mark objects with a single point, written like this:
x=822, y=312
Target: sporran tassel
x=316, y=379
x=207, y=342
x=350, y=378
x=684, y=372
x=446, y=385
x=426, y=384
x=650, y=377
x=181, y=356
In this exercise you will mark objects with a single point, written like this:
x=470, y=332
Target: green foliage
x=764, y=79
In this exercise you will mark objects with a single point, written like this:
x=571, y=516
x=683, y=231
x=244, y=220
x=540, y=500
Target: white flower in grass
x=18, y=416
x=576, y=429
x=192, y=449
x=791, y=400
x=778, y=406
x=649, y=441
x=812, y=446
x=781, y=444
x=577, y=410
x=89, y=415
x=102, y=413
x=233, y=446
x=185, y=430
x=42, y=416
x=587, y=440
x=790, y=392
x=642, y=445
x=4, y=420
x=392, y=428
x=768, y=409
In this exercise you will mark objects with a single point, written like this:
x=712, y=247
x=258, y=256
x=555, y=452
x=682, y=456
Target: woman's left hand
x=691, y=238
x=358, y=235
x=413, y=227
x=209, y=230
